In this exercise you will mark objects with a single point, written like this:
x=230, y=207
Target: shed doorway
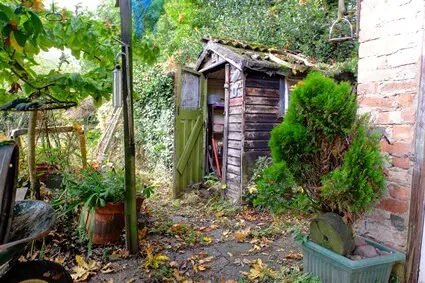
x=215, y=123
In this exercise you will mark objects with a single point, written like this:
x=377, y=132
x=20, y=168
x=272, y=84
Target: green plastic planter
x=334, y=268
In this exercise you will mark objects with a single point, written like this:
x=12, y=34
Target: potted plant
x=101, y=196
x=334, y=156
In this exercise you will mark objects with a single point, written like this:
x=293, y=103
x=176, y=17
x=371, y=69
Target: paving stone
x=181, y=256
x=217, y=234
x=178, y=219
x=234, y=247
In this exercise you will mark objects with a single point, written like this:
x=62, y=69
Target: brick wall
x=388, y=76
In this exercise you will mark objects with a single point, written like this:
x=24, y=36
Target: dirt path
x=196, y=239
x=207, y=240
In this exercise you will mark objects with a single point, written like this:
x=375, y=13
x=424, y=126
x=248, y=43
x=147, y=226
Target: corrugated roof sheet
x=257, y=57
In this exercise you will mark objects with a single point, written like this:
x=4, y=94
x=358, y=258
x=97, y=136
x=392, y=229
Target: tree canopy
x=27, y=29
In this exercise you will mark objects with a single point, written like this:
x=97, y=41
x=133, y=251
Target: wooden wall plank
x=257, y=135
x=235, y=110
x=235, y=144
x=235, y=101
x=235, y=127
x=252, y=91
x=262, y=100
x=269, y=118
x=262, y=83
x=234, y=161
x=235, y=135
x=235, y=119
x=260, y=126
x=233, y=177
x=256, y=144
x=262, y=109
x=234, y=169
x=234, y=152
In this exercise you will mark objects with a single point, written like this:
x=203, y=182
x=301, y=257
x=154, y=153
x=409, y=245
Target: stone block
x=394, y=205
x=377, y=102
x=399, y=192
x=372, y=63
x=390, y=117
x=402, y=132
x=401, y=42
x=407, y=72
x=401, y=148
x=403, y=57
x=406, y=100
x=401, y=162
x=399, y=176
x=398, y=87
x=367, y=88
x=398, y=222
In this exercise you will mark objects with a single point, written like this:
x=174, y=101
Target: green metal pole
x=129, y=147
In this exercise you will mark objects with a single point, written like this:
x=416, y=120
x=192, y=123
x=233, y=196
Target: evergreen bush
x=329, y=151
x=274, y=188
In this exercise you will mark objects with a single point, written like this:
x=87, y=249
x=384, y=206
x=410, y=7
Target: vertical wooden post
x=226, y=122
x=83, y=148
x=416, y=213
x=129, y=147
x=34, y=184
x=244, y=162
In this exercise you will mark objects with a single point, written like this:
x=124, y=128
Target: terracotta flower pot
x=108, y=222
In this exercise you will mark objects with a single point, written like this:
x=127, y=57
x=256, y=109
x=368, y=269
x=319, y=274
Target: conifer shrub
x=327, y=149
x=274, y=188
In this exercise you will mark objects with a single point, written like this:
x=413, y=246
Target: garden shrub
x=275, y=188
x=330, y=152
x=359, y=182
x=154, y=117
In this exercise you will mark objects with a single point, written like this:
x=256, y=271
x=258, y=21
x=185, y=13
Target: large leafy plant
x=91, y=189
x=26, y=31
x=330, y=152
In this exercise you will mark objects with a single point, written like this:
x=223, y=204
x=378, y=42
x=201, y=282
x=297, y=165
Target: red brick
x=380, y=102
x=401, y=162
x=372, y=48
x=383, y=118
x=396, y=87
x=367, y=88
x=406, y=72
x=390, y=117
x=403, y=57
x=408, y=116
x=402, y=132
x=406, y=100
x=394, y=205
x=397, y=147
x=397, y=192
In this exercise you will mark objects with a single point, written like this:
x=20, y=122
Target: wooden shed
x=226, y=107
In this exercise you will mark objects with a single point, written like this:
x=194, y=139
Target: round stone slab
x=330, y=231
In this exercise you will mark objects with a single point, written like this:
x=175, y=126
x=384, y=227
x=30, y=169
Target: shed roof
x=255, y=57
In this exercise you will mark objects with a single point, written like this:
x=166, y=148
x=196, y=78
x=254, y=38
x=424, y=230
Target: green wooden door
x=189, y=130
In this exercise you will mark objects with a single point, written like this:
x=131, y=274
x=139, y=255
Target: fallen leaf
x=177, y=276
x=240, y=236
x=142, y=233
x=202, y=267
x=255, y=248
x=230, y=254
x=207, y=240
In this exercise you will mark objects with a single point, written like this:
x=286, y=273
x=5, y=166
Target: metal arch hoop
x=341, y=39
x=53, y=16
